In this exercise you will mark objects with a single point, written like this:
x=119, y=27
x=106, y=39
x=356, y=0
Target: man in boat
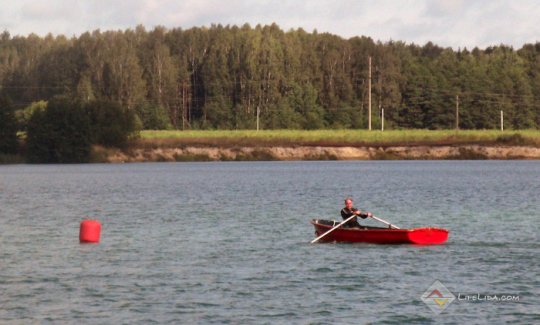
x=348, y=211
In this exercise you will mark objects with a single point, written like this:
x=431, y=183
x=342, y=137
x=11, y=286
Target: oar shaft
x=385, y=222
x=336, y=227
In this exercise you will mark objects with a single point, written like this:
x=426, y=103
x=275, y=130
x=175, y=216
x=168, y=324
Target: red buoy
x=90, y=231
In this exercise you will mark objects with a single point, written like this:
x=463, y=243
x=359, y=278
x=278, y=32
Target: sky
x=447, y=23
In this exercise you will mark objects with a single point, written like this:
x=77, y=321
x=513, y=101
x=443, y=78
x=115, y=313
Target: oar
x=336, y=227
x=385, y=222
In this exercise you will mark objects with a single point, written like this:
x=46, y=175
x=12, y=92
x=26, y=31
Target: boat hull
x=376, y=235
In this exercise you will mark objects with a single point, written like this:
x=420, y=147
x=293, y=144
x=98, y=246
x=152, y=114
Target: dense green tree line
x=224, y=76
x=63, y=130
x=8, y=127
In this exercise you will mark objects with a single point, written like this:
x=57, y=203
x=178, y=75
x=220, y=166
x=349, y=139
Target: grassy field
x=340, y=137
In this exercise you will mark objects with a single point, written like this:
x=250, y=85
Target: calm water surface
x=229, y=242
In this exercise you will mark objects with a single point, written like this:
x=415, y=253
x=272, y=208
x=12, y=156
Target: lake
x=228, y=242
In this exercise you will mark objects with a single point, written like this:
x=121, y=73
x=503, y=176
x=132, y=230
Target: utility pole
x=382, y=119
x=381, y=110
x=369, y=94
x=258, y=110
x=457, y=112
x=502, y=121
x=183, y=107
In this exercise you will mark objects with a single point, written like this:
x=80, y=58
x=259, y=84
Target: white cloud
x=443, y=8
x=456, y=23
x=44, y=11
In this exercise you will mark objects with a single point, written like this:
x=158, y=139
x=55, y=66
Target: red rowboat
x=379, y=235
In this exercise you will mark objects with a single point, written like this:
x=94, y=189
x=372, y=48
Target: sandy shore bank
x=209, y=153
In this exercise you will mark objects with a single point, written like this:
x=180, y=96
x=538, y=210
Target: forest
x=244, y=77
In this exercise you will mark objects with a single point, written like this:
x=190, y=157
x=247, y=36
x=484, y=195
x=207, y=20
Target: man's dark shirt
x=347, y=213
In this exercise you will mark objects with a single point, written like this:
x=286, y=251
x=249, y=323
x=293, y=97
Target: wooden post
x=382, y=119
x=369, y=93
x=502, y=121
x=457, y=112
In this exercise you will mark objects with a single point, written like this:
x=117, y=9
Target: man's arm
x=346, y=214
x=364, y=215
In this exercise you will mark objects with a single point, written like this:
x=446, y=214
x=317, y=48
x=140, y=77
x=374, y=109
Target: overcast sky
x=455, y=23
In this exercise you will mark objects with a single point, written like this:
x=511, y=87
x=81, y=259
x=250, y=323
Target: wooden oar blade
x=428, y=236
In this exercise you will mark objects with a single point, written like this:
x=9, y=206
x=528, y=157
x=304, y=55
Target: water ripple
x=228, y=243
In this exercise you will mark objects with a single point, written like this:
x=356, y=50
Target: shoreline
x=302, y=152
x=286, y=145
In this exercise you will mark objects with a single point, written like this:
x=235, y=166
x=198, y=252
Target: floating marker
x=90, y=231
